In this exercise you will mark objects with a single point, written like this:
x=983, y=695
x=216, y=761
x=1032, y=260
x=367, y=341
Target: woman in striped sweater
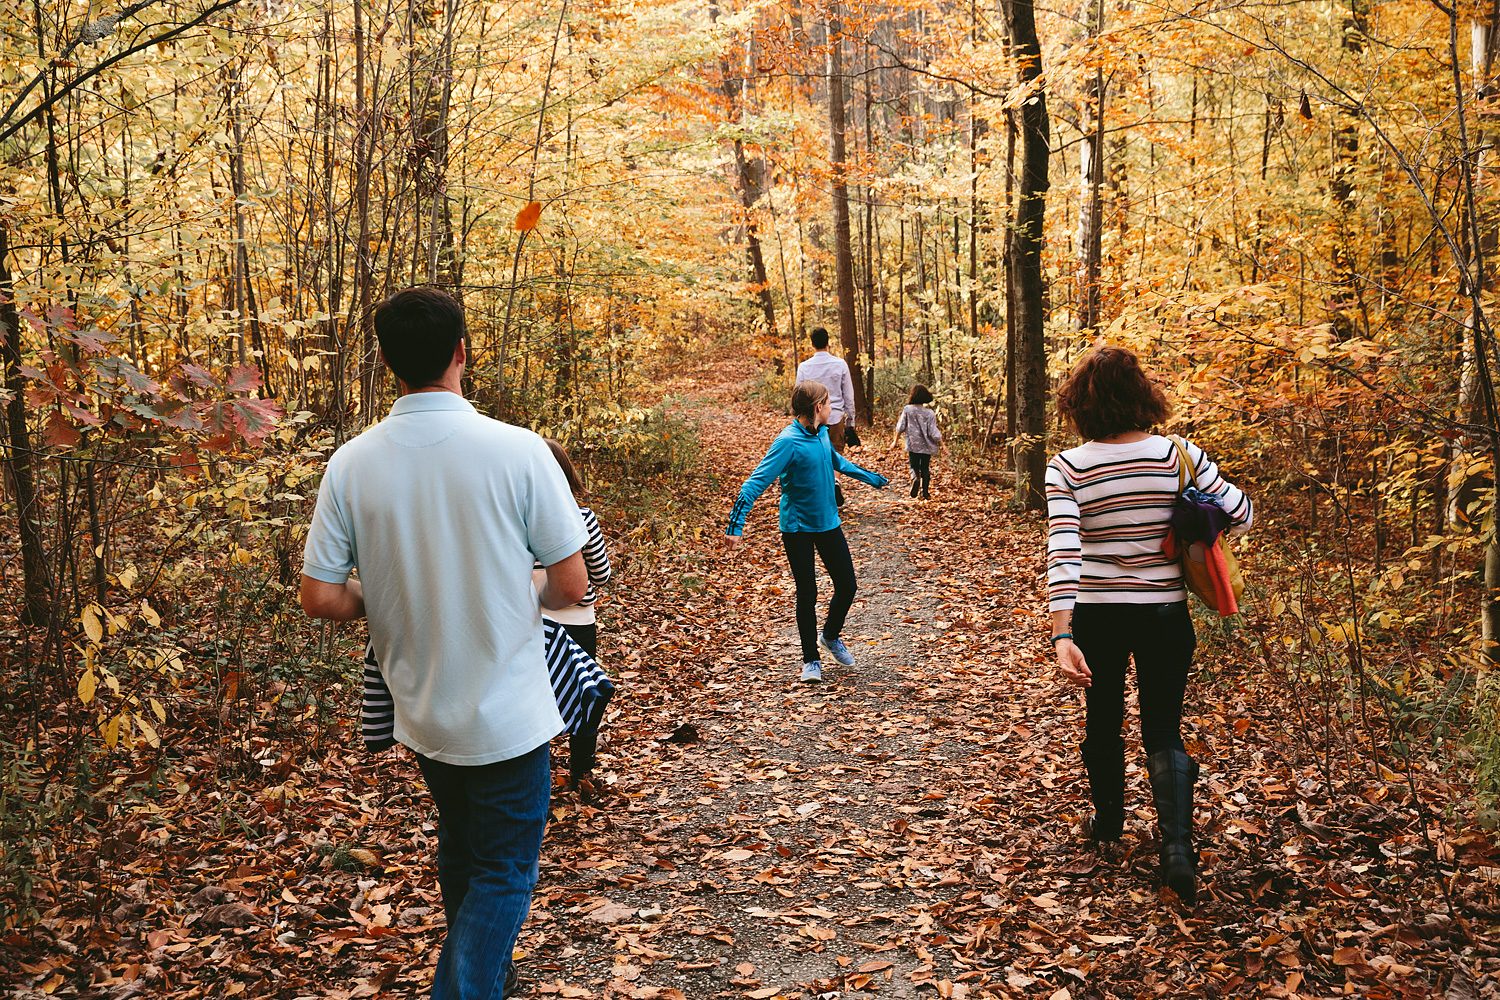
x=1113, y=593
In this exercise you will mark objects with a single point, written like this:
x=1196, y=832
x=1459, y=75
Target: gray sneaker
x=837, y=648
x=812, y=673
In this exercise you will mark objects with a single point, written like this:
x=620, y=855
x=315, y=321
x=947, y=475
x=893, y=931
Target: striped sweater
x=1107, y=512
x=596, y=561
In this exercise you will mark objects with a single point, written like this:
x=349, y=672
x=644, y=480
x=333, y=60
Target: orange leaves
x=528, y=217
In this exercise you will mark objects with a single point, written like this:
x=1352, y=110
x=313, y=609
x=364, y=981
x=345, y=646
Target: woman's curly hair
x=1109, y=393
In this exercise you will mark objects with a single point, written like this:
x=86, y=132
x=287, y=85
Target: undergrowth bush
x=1484, y=745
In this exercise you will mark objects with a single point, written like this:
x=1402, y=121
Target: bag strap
x=1185, y=470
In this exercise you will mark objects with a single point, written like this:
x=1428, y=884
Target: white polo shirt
x=442, y=511
x=834, y=374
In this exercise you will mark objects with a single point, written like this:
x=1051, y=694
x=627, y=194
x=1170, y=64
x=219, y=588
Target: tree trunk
x=1031, y=206
x=749, y=194
x=843, y=251
x=36, y=579
x=1090, y=225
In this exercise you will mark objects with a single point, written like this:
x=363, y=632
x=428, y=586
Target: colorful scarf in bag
x=1196, y=536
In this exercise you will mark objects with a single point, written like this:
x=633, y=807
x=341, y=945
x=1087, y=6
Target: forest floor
x=906, y=829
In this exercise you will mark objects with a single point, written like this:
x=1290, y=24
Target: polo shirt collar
x=421, y=402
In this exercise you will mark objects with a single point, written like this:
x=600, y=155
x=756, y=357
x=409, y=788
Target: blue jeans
x=490, y=823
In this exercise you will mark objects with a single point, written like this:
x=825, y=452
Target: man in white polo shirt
x=834, y=374
x=441, y=512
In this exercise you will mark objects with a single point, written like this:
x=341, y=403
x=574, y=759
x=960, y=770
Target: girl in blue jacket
x=804, y=460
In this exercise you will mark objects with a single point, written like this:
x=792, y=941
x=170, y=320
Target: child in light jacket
x=923, y=439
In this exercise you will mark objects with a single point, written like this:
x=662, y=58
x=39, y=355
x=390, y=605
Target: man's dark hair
x=419, y=329
x=919, y=394
x=1109, y=393
x=819, y=338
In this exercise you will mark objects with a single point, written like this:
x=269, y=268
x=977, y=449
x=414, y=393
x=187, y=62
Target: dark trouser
x=836, y=434
x=836, y=438
x=490, y=823
x=921, y=471
x=833, y=549
x=583, y=742
x=1161, y=637
x=587, y=637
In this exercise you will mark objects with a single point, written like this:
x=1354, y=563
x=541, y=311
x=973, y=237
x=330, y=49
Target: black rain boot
x=1105, y=764
x=1173, y=774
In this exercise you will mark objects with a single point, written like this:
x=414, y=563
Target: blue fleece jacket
x=805, y=461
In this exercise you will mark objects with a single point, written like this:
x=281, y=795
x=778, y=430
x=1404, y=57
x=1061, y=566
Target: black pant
x=921, y=471
x=833, y=549
x=1161, y=637
x=587, y=637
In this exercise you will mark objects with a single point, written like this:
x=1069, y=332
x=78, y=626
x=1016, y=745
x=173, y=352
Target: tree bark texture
x=843, y=250
x=1030, y=290
x=37, y=581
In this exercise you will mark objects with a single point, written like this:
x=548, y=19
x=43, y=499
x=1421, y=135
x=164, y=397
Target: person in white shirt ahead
x=833, y=373
x=441, y=511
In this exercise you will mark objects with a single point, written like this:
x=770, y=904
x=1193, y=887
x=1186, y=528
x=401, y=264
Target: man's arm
x=339, y=602
x=846, y=386
x=567, y=582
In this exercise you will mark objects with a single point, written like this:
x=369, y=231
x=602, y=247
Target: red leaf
x=528, y=217
x=255, y=418
x=200, y=377
x=96, y=341
x=59, y=433
x=217, y=418
x=123, y=372
x=243, y=378
x=179, y=415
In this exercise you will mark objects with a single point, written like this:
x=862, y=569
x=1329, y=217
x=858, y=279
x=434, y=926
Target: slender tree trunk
x=1031, y=348
x=1090, y=225
x=369, y=355
x=1011, y=426
x=843, y=252
x=747, y=192
x=36, y=576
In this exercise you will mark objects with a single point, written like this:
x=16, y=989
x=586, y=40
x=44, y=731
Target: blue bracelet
x=1059, y=638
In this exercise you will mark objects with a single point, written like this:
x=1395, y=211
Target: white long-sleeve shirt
x=833, y=373
x=1108, y=509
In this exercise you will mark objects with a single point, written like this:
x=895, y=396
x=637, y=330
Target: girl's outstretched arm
x=760, y=480
x=848, y=468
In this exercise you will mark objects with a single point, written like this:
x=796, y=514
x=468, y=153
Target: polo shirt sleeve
x=554, y=526
x=329, y=554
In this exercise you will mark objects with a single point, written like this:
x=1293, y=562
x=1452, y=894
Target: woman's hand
x=1072, y=664
x=732, y=542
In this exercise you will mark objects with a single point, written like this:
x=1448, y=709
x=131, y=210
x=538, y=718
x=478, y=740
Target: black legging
x=833, y=549
x=921, y=471
x=1161, y=637
x=587, y=637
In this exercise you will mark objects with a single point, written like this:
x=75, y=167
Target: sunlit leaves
x=528, y=217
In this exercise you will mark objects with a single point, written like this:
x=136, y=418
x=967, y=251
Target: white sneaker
x=812, y=673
